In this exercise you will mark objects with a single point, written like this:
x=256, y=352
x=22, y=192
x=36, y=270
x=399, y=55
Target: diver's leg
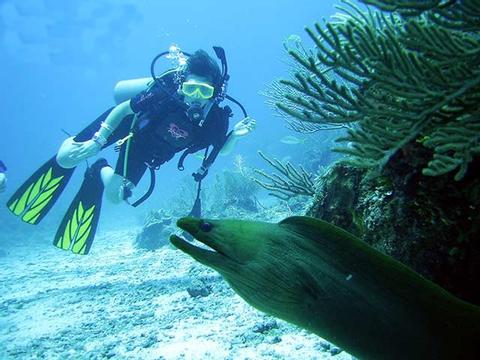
x=129, y=169
x=115, y=185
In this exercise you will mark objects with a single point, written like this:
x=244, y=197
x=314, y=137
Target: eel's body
x=322, y=278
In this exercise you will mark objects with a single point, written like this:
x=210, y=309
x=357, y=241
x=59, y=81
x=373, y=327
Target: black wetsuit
x=162, y=130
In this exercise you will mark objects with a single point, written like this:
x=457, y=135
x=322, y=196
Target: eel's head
x=252, y=256
x=233, y=244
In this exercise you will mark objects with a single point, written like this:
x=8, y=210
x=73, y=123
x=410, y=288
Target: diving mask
x=199, y=90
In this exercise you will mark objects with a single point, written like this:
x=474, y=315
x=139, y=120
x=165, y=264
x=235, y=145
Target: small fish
x=292, y=140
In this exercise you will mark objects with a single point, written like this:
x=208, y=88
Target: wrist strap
x=99, y=139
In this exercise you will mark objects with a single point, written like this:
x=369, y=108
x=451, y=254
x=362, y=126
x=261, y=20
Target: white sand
x=122, y=303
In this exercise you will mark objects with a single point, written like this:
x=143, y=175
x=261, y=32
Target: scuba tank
x=126, y=89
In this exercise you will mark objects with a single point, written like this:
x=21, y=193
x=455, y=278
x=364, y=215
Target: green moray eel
x=322, y=278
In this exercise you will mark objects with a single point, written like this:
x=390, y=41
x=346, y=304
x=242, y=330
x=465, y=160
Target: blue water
x=61, y=59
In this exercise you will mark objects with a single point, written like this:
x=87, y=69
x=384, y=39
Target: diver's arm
x=242, y=128
x=126, y=89
x=229, y=145
x=72, y=152
x=111, y=122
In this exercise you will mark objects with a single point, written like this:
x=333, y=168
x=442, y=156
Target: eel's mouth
x=213, y=257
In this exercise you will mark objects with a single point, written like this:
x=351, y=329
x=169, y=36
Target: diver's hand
x=245, y=126
x=3, y=182
x=83, y=150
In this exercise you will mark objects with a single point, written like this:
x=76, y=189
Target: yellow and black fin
x=32, y=201
x=77, y=229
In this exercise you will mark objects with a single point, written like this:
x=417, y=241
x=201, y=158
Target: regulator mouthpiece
x=195, y=113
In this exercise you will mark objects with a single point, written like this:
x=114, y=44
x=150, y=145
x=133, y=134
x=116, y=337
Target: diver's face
x=196, y=97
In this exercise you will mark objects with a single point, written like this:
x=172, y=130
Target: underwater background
x=367, y=118
x=60, y=62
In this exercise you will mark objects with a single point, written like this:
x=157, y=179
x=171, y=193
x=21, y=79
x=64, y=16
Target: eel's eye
x=205, y=226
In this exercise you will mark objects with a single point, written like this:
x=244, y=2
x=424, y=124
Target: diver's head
x=202, y=81
x=202, y=78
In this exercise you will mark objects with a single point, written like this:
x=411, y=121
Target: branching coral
x=393, y=78
x=292, y=182
x=238, y=189
x=461, y=15
x=235, y=189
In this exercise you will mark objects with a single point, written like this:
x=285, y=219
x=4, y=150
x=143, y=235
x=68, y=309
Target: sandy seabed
x=119, y=302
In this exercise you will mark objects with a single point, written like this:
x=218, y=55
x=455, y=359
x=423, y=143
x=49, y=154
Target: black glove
x=200, y=173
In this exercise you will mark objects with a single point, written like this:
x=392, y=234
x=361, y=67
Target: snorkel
x=222, y=95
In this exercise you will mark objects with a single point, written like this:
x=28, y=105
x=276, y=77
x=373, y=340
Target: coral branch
x=408, y=73
x=292, y=181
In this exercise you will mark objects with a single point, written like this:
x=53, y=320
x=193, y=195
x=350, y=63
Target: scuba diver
x=176, y=111
x=3, y=177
